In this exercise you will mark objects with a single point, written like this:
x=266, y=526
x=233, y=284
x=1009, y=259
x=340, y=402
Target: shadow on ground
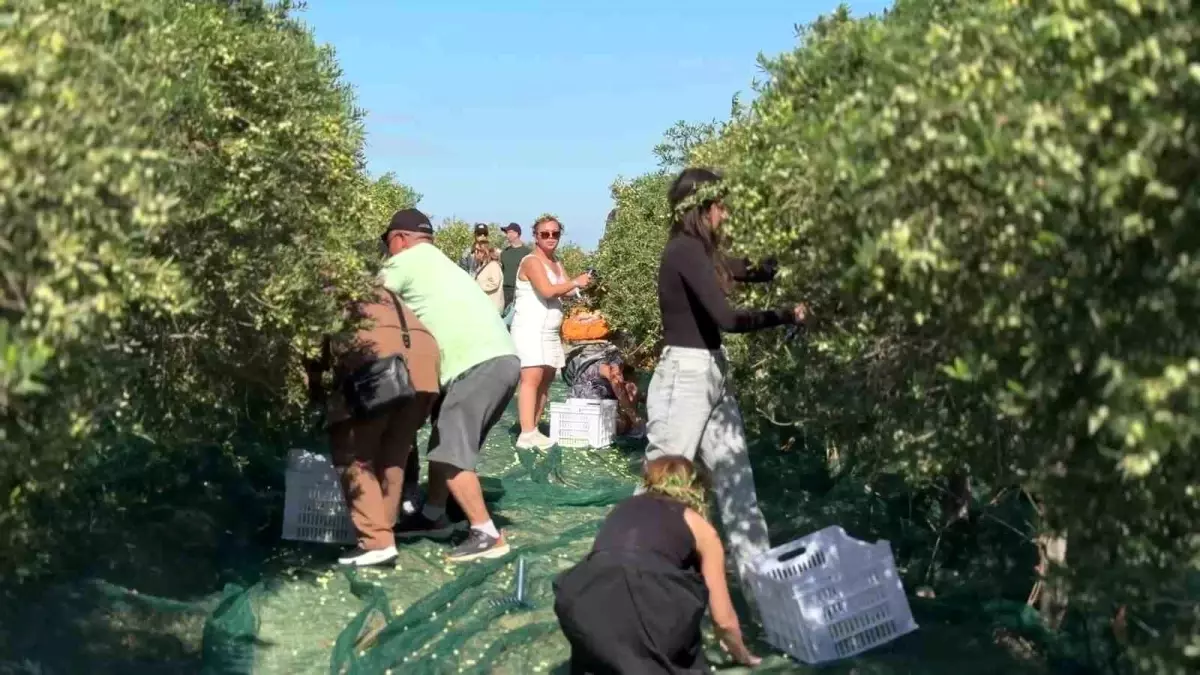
x=249, y=603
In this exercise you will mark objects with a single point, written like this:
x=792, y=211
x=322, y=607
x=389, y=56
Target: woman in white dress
x=537, y=319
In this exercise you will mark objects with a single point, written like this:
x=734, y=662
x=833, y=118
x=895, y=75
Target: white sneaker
x=360, y=557
x=534, y=439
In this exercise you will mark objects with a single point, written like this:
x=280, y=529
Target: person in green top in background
x=515, y=251
x=479, y=373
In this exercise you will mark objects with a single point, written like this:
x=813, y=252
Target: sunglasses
x=550, y=234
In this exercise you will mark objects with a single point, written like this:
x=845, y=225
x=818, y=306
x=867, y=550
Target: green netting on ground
x=296, y=612
x=426, y=615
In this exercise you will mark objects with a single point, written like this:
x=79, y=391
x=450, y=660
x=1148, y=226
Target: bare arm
x=720, y=605
x=535, y=272
x=617, y=381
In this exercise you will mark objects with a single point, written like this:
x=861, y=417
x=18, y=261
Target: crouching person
x=372, y=448
x=636, y=603
x=599, y=372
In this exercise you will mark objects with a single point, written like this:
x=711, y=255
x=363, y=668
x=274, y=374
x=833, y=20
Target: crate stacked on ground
x=828, y=596
x=314, y=508
x=580, y=422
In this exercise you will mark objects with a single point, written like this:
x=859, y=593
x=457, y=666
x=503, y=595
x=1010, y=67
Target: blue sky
x=500, y=111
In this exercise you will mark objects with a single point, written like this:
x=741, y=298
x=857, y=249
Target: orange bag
x=584, y=327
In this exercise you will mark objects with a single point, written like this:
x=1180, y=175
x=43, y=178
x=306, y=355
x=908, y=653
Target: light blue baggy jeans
x=692, y=413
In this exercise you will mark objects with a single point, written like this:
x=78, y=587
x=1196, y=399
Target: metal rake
x=518, y=598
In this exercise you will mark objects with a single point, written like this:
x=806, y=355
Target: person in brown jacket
x=371, y=453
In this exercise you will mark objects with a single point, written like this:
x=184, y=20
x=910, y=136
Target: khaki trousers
x=371, y=455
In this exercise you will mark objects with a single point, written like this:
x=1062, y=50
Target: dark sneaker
x=360, y=557
x=478, y=545
x=417, y=525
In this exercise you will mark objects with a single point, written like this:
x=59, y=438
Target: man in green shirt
x=510, y=260
x=479, y=373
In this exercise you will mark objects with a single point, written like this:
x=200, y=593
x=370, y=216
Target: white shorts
x=538, y=347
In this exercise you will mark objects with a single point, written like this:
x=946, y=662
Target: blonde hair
x=546, y=218
x=677, y=479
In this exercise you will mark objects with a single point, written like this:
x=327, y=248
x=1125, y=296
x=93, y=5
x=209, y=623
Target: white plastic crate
x=581, y=422
x=828, y=596
x=314, y=508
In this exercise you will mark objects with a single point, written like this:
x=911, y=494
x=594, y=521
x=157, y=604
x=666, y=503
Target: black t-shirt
x=695, y=311
x=647, y=523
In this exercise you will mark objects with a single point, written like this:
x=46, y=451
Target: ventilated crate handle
x=797, y=548
x=789, y=551
x=584, y=403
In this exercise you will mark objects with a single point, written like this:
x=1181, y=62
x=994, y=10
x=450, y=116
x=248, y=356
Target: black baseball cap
x=480, y=228
x=408, y=220
x=511, y=227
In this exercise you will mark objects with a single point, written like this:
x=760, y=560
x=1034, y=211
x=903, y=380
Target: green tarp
x=302, y=614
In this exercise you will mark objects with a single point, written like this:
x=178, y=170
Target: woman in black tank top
x=635, y=604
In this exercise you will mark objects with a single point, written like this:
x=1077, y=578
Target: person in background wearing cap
x=515, y=251
x=468, y=261
x=479, y=373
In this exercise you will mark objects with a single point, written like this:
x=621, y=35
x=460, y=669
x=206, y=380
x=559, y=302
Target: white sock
x=433, y=512
x=488, y=528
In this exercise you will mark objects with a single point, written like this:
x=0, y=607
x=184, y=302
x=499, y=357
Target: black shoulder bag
x=384, y=382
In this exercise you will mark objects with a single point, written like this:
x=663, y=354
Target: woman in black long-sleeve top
x=692, y=411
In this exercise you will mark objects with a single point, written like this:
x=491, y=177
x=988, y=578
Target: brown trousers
x=371, y=455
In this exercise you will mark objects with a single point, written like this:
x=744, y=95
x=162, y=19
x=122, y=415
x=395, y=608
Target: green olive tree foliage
x=574, y=258
x=627, y=262
x=988, y=206
x=455, y=237
x=185, y=213
x=991, y=207
x=388, y=195
x=275, y=183
x=628, y=254
x=85, y=194
x=385, y=196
